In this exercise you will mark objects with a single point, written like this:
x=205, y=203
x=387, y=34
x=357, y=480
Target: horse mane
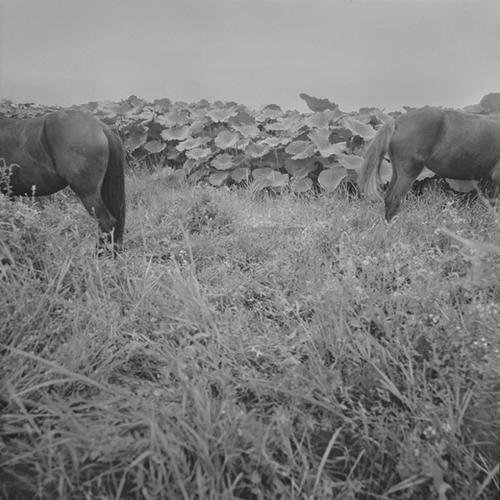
x=370, y=168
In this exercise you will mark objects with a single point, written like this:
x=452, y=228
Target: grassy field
x=250, y=346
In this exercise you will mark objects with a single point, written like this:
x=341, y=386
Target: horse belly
x=31, y=169
x=35, y=185
x=30, y=177
x=461, y=168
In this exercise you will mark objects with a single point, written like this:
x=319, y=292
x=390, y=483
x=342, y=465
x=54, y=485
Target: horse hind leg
x=403, y=176
x=97, y=209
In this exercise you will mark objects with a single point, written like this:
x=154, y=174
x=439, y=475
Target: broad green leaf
x=146, y=115
x=154, y=146
x=300, y=169
x=154, y=131
x=163, y=173
x=261, y=172
x=171, y=176
x=340, y=134
x=240, y=160
x=192, y=142
x=242, y=144
x=199, y=174
x=180, y=175
x=307, y=153
x=364, y=118
x=322, y=119
x=274, y=158
x=190, y=165
x=172, y=153
x=198, y=125
x=274, y=142
x=177, y=117
x=112, y=109
x=135, y=101
x=242, y=117
x=218, y=178
x=222, y=162
x=176, y=133
x=7, y=108
x=321, y=139
x=220, y=115
x=260, y=184
x=301, y=185
x=330, y=178
x=250, y=131
x=278, y=179
x=373, y=117
x=137, y=136
x=269, y=112
x=199, y=153
x=350, y=162
x=315, y=104
x=268, y=177
x=162, y=105
x=240, y=174
x=256, y=150
x=227, y=139
x=202, y=103
x=290, y=125
x=300, y=149
x=358, y=128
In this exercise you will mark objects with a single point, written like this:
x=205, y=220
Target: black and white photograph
x=249, y=249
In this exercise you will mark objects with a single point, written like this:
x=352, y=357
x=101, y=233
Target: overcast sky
x=384, y=53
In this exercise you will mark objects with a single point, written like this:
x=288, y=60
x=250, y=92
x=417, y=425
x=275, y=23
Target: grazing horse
x=450, y=143
x=68, y=148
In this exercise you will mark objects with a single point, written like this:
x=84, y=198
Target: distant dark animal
x=68, y=148
x=452, y=144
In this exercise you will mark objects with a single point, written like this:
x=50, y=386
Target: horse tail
x=370, y=169
x=113, y=186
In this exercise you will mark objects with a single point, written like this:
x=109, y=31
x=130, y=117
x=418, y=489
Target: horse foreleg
x=403, y=176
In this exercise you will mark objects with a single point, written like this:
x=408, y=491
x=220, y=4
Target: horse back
x=450, y=143
x=416, y=133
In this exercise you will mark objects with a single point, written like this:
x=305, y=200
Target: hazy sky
x=384, y=53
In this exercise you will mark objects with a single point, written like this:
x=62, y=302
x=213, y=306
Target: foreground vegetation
x=250, y=346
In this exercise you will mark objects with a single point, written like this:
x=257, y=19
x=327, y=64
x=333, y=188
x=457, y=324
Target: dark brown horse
x=450, y=143
x=68, y=148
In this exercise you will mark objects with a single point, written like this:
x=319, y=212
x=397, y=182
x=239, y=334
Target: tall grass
x=249, y=346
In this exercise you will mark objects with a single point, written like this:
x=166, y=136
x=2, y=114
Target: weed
x=279, y=347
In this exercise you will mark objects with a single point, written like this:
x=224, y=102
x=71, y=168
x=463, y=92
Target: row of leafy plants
x=225, y=143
